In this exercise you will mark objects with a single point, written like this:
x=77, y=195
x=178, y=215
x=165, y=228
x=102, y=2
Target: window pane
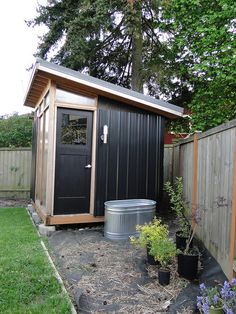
x=67, y=97
x=73, y=130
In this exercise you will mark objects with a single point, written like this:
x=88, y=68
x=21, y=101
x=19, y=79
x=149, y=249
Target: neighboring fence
x=15, y=172
x=15, y=167
x=207, y=163
x=168, y=163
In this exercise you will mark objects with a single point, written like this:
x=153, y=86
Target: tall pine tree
x=116, y=41
x=180, y=50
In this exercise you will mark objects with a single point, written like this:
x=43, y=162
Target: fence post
x=194, y=178
x=233, y=220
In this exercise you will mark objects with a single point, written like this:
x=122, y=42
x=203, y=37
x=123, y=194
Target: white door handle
x=88, y=166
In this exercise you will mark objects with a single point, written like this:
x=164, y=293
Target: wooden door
x=73, y=161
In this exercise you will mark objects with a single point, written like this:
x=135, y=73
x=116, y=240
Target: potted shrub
x=164, y=251
x=188, y=263
x=179, y=206
x=148, y=234
x=187, y=255
x=217, y=300
x=188, y=258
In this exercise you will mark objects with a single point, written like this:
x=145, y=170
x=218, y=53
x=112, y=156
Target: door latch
x=88, y=166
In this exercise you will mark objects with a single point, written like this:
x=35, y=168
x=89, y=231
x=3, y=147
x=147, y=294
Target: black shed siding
x=130, y=165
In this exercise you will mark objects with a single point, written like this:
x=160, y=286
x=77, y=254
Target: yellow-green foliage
x=163, y=251
x=149, y=233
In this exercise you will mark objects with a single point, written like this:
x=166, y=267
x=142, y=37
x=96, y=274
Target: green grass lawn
x=27, y=281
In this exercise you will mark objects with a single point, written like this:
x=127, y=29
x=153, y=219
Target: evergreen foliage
x=112, y=40
x=181, y=50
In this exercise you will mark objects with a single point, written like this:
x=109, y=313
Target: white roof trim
x=106, y=89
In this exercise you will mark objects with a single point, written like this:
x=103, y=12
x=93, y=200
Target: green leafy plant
x=219, y=297
x=16, y=131
x=164, y=251
x=178, y=205
x=150, y=233
x=122, y=42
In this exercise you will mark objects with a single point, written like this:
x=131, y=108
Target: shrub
x=16, y=131
x=149, y=233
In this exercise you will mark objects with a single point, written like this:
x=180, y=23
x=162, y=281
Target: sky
x=18, y=44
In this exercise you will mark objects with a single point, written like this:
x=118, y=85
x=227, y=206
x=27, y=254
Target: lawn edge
x=56, y=273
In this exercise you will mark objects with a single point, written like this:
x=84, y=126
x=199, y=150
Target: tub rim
x=129, y=203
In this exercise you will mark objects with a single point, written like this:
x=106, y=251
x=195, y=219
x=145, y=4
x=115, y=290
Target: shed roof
x=43, y=71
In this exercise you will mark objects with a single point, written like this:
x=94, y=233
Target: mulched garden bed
x=105, y=276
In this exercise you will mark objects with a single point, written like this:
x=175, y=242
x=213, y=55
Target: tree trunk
x=137, y=49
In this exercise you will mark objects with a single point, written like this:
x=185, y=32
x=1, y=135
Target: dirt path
x=13, y=202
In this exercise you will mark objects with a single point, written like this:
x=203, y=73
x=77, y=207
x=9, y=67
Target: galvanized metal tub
x=122, y=216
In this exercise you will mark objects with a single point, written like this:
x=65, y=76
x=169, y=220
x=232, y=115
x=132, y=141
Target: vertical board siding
x=215, y=163
x=216, y=149
x=168, y=163
x=15, y=168
x=130, y=164
x=186, y=170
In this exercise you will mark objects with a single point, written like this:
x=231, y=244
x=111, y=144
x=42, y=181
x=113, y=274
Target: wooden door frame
x=92, y=109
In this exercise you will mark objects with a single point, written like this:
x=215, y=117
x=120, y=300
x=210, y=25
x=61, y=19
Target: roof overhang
x=44, y=71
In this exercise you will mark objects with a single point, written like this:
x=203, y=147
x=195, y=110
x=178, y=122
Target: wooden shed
x=93, y=141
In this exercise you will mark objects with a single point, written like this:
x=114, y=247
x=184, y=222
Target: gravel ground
x=13, y=202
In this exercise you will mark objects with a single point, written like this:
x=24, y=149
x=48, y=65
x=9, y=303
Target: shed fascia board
x=110, y=89
x=35, y=69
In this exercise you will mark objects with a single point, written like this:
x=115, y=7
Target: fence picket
x=15, y=169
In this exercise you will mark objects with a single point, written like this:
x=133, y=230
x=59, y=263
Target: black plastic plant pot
x=150, y=258
x=188, y=266
x=181, y=241
x=163, y=277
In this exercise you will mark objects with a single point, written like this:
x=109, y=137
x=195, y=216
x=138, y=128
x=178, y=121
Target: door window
x=73, y=129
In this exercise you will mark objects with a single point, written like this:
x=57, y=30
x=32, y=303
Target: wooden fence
x=207, y=163
x=15, y=164
x=15, y=167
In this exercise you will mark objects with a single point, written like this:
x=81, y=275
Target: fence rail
x=15, y=168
